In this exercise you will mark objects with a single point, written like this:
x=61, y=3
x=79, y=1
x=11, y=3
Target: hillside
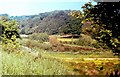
x=50, y=22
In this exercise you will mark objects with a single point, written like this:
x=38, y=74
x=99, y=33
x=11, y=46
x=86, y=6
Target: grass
x=84, y=54
x=23, y=64
x=0, y=60
x=76, y=64
x=23, y=41
x=52, y=63
x=56, y=63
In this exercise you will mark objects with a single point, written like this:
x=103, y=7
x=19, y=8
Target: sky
x=31, y=7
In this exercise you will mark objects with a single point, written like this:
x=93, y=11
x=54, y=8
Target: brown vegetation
x=58, y=46
x=53, y=40
x=35, y=44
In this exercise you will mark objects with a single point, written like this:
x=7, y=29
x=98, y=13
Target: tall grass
x=0, y=60
x=23, y=64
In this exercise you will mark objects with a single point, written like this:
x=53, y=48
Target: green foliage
x=10, y=45
x=73, y=25
x=87, y=9
x=72, y=28
x=76, y=14
x=105, y=23
x=9, y=34
x=41, y=37
x=85, y=40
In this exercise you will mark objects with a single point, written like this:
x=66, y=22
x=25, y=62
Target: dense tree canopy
x=50, y=22
x=105, y=23
x=73, y=26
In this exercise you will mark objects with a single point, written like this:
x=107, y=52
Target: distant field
x=82, y=54
x=82, y=40
x=67, y=39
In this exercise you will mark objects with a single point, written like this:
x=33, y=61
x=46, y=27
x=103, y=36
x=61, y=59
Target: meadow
x=25, y=61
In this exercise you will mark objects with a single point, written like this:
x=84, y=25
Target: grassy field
x=82, y=54
x=24, y=64
x=50, y=62
x=67, y=64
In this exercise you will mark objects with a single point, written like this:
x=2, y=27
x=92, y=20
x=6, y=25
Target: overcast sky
x=31, y=7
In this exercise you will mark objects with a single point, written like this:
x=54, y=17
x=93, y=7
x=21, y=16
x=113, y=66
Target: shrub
x=100, y=45
x=53, y=40
x=41, y=37
x=85, y=40
x=36, y=44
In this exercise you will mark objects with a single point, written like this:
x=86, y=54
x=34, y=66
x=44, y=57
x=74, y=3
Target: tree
x=86, y=20
x=73, y=25
x=105, y=23
x=9, y=34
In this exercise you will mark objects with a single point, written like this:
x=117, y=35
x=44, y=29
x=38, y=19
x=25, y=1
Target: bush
x=101, y=45
x=41, y=37
x=85, y=40
x=36, y=44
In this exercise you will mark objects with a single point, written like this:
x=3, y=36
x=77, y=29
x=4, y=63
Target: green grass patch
x=83, y=54
x=24, y=64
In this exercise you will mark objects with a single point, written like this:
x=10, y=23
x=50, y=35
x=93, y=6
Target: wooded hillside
x=50, y=22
